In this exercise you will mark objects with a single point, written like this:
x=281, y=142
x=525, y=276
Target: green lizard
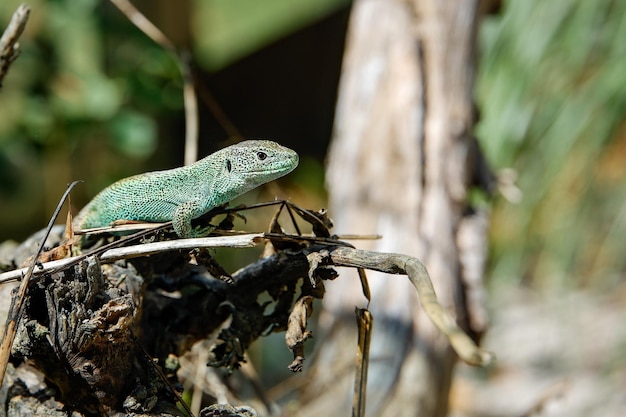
x=185, y=193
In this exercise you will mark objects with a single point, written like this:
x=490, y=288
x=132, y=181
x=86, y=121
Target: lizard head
x=251, y=163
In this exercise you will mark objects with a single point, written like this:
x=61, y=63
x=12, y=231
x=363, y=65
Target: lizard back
x=182, y=194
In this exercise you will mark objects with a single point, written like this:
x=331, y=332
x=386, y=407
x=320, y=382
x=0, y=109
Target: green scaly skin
x=185, y=193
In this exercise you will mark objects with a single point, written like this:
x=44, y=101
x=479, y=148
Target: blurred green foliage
x=81, y=101
x=552, y=91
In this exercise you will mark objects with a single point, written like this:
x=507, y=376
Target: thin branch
x=190, y=84
x=392, y=263
x=189, y=92
x=15, y=312
x=146, y=249
x=110, y=254
x=143, y=24
x=9, y=45
x=191, y=111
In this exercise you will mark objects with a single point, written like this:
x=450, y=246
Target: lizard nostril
x=229, y=166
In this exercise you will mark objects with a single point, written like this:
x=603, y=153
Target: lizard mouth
x=282, y=169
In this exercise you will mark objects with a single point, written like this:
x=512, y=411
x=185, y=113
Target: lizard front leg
x=181, y=219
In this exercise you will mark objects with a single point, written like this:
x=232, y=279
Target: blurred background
x=92, y=98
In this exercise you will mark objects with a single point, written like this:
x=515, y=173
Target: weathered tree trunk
x=402, y=161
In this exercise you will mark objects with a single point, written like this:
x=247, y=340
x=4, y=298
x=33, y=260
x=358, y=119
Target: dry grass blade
x=146, y=26
x=365, y=324
x=16, y=308
x=189, y=92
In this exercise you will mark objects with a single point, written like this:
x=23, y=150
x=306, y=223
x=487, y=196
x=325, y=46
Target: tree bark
x=401, y=164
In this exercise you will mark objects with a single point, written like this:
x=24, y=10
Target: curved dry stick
x=393, y=263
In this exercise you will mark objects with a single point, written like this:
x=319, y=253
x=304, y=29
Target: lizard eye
x=261, y=155
x=229, y=167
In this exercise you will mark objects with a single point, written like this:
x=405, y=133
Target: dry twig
x=189, y=92
x=16, y=308
x=9, y=45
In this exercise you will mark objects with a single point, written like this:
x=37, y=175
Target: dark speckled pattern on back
x=185, y=193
